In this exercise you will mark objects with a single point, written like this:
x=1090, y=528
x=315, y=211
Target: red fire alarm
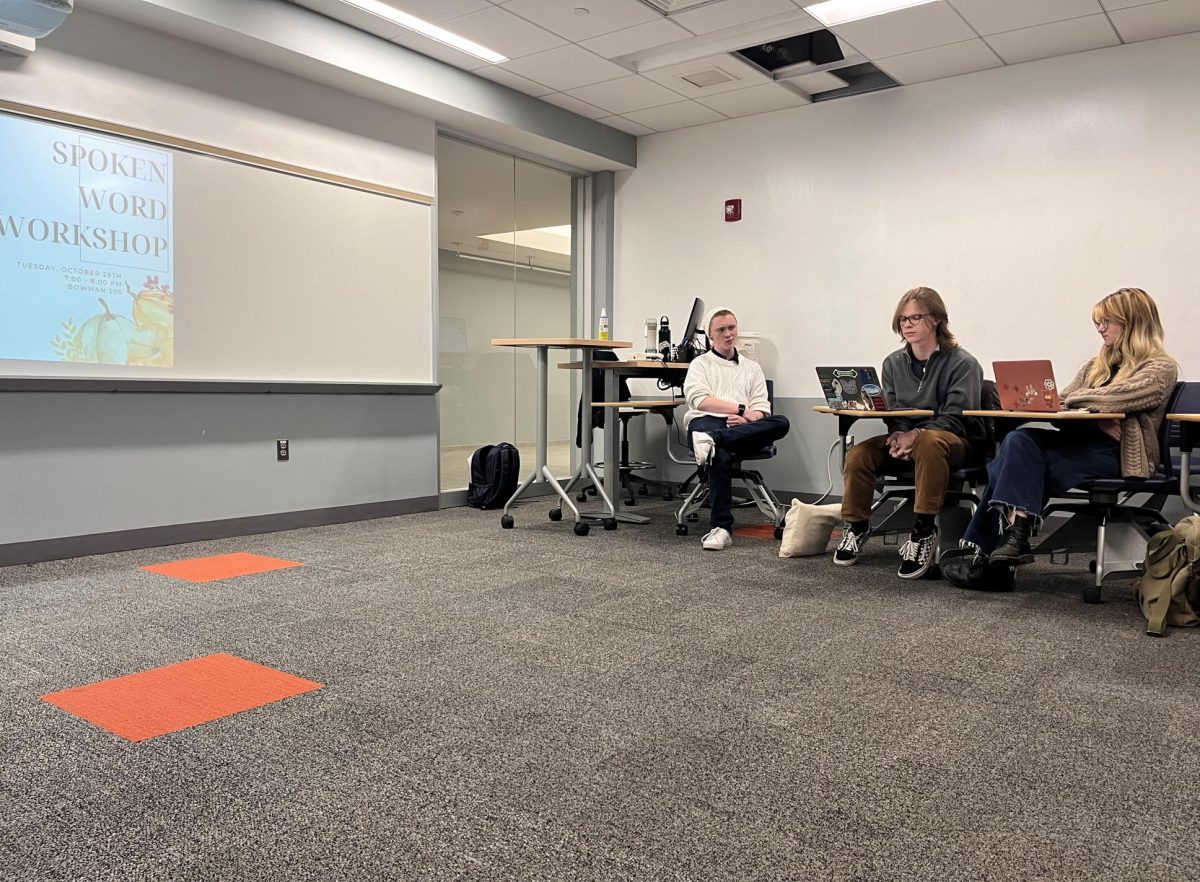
x=733, y=210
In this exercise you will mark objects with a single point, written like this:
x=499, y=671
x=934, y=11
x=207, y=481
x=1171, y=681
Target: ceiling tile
x=625, y=94
x=990, y=17
x=756, y=99
x=440, y=51
x=740, y=75
x=574, y=105
x=1060, y=38
x=908, y=30
x=821, y=81
x=508, y=34
x=646, y=36
x=1124, y=4
x=513, y=81
x=941, y=61
x=603, y=17
x=675, y=116
x=626, y=125
x=1157, y=20
x=727, y=13
x=567, y=67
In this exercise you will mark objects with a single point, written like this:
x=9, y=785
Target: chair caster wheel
x=779, y=532
x=506, y=521
x=1092, y=567
x=667, y=497
x=581, y=497
x=556, y=514
x=581, y=529
x=1091, y=594
x=693, y=517
x=681, y=529
x=934, y=573
x=610, y=524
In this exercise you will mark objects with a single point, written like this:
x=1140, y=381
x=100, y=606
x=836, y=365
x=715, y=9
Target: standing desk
x=541, y=471
x=632, y=368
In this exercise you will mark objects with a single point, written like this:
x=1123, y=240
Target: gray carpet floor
x=528, y=704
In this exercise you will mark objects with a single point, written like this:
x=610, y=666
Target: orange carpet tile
x=758, y=531
x=161, y=700
x=221, y=566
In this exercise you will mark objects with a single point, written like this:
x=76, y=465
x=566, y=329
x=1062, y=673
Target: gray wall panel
x=75, y=464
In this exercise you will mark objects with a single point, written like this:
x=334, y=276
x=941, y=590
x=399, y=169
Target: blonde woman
x=1133, y=375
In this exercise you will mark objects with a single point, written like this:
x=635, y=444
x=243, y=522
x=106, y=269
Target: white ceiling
x=623, y=62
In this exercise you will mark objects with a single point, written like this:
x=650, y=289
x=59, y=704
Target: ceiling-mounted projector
x=33, y=18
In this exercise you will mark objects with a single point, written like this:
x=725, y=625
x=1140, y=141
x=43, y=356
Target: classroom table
x=635, y=368
x=1054, y=416
x=1190, y=428
x=541, y=471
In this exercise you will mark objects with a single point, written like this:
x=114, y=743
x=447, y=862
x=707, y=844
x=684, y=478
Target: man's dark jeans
x=730, y=443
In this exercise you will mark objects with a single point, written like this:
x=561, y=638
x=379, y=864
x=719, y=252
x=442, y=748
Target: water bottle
x=664, y=338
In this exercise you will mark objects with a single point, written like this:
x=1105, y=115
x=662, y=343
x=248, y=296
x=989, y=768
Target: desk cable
x=849, y=441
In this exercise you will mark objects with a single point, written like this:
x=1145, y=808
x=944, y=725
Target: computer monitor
x=695, y=325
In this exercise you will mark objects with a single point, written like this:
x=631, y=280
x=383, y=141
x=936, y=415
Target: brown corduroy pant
x=935, y=453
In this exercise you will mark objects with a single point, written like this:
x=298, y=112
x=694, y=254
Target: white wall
x=1022, y=194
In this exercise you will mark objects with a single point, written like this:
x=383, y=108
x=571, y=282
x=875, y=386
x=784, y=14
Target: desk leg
x=585, y=450
x=612, y=452
x=540, y=469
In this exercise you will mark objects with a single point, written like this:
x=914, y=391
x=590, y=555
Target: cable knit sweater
x=1143, y=397
x=741, y=382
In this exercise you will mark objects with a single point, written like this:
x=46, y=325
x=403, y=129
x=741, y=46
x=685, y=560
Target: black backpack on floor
x=495, y=469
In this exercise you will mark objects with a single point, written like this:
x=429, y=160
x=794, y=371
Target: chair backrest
x=598, y=394
x=1185, y=399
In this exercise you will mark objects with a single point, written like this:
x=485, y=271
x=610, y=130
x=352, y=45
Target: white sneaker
x=716, y=539
x=702, y=446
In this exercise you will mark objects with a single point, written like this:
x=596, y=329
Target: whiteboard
x=229, y=272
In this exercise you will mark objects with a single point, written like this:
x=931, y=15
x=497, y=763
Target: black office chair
x=895, y=484
x=1102, y=517
x=761, y=496
x=597, y=421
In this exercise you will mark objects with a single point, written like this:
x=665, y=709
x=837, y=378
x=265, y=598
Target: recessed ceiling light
x=382, y=10
x=555, y=239
x=835, y=12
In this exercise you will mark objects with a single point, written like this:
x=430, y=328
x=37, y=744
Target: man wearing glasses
x=931, y=372
x=729, y=414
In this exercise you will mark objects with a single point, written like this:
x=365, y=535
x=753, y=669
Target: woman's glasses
x=914, y=319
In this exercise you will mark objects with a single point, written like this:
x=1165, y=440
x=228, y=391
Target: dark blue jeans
x=1033, y=465
x=730, y=443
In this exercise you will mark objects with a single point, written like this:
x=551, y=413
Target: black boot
x=1014, y=549
x=969, y=569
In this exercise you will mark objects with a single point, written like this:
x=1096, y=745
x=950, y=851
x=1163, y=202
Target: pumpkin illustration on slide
x=105, y=339
x=154, y=308
x=146, y=350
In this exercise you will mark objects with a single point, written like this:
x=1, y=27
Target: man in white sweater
x=729, y=415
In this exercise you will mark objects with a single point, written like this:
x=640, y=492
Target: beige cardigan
x=1142, y=397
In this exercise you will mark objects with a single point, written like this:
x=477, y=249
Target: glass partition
x=504, y=270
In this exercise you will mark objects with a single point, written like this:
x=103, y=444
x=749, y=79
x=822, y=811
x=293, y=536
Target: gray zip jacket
x=951, y=384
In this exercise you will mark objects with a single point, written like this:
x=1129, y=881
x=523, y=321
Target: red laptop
x=1027, y=385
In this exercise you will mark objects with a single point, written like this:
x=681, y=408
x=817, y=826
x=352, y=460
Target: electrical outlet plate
x=282, y=451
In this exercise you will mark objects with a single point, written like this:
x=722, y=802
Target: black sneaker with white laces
x=852, y=542
x=917, y=556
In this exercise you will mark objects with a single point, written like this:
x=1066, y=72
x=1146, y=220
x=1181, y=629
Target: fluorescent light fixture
x=388, y=13
x=530, y=265
x=836, y=12
x=554, y=239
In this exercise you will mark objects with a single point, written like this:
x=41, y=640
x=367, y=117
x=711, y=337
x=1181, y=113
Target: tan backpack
x=1169, y=589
